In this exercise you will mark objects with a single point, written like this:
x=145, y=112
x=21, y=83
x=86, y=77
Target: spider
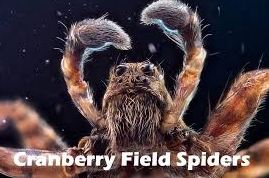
x=138, y=113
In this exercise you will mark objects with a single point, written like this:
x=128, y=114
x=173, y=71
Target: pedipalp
x=181, y=25
x=86, y=37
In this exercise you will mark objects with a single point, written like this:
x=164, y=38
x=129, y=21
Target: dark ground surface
x=30, y=66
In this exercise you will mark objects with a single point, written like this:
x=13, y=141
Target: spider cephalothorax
x=134, y=104
x=138, y=113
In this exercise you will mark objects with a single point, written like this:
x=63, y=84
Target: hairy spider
x=138, y=113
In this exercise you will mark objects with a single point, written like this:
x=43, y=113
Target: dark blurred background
x=30, y=66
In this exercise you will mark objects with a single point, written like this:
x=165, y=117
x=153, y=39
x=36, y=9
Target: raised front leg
x=228, y=122
x=226, y=128
x=182, y=26
x=86, y=37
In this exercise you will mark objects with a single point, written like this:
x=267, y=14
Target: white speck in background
x=59, y=13
x=219, y=10
x=242, y=48
x=152, y=48
x=3, y=124
x=47, y=61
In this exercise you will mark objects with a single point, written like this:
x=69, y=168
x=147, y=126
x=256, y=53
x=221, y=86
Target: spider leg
x=88, y=146
x=228, y=122
x=86, y=37
x=259, y=162
x=9, y=168
x=34, y=131
x=226, y=126
x=182, y=26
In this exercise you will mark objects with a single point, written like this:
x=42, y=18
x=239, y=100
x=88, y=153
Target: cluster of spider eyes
x=147, y=69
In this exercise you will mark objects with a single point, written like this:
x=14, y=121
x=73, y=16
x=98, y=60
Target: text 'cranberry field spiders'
x=138, y=114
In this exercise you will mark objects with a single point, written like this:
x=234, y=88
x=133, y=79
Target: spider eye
x=120, y=70
x=148, y=69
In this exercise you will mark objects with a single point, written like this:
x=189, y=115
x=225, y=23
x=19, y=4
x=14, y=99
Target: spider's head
x=134, y=103
x=137, y=79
